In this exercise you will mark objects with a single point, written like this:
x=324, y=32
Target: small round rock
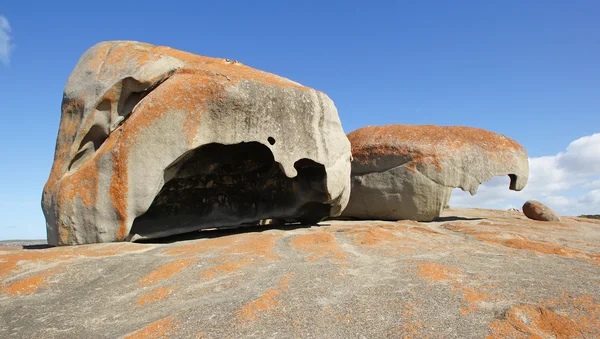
x=535, y=210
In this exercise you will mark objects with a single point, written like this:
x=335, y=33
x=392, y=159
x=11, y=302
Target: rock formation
x=535, y=210
x=490, y=274
x=154, y=141
x=408, y=172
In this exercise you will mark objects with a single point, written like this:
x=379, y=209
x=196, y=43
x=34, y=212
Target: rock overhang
x=409, y=171
x=132, y=110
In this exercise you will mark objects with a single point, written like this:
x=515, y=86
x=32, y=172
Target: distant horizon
x=529, y=71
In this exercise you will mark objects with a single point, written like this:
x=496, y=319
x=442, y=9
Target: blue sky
x=526, y=69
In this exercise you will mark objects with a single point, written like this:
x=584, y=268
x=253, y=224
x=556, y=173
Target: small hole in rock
x=271, y=140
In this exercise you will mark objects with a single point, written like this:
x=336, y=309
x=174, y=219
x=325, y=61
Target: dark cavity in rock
x=228, y=185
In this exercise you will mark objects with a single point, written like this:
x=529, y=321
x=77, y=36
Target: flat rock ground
x=472, y=274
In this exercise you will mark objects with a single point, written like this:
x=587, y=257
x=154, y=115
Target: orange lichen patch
x=225, y=268
x=408, y=325
x=411, y=327
x=473, y=297
x=584, y=310
x=29, y=285
x=371, y=236
x=235, y=72
x=188, y=92
x=118, y=190
x=159, y=329
x=26, y=286
x=82, y=183
x=10, y=261
x=255, y=245
x=424, y=230
x=523, y=243
x=433, y=272
x=383, y=237
x=520, y=242
x=265, y=302
x=69, y=122
x=589, y=314
x=166, y=271
x=252, y=245
x=319, y=245
x=422, y=144
x=155, y=295
x=586, y=220
x=529, y=321
x=204, y=246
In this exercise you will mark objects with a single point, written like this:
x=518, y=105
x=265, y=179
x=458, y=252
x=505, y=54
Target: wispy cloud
x=568, y=182
x=6, y=45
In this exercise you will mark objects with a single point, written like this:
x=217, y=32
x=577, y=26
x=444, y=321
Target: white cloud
x=6, y=46
x=593, y=184
x=568, y=182
x=582, y=156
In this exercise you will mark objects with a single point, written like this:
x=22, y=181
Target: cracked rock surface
x=154, y=141
x=409, y=172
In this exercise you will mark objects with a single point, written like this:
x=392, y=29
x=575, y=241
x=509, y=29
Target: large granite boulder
x=409, y=172
x=535, y=210
x=154, y=141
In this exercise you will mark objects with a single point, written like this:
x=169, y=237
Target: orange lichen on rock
x=520, y=242
x=166, y=271
x=29, y=285
x=198, y=83
x=530, y=321
x=265, y=302
x=225, y=268
x=258, y=246
x=26, y=286
x=155, y=295
x=388, y=238
x=160, y=329
x=230, y=70
x=82, y=183
x=255, y=245
x=421, y=143
x=69, y=124
x=118, y=93
x=584, y=310
x=253, y=248
x=433, y=273
x=372, y=236
x=411, y=326
x=319, y=245
x=118, y=186
x=204, y=246
x=474, y=297
x=11, y=261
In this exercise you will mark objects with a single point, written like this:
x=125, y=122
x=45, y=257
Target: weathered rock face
x=408, y=172
x=537, y=211
x=154, y=141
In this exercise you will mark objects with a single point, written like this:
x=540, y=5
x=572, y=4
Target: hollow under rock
x=220, y=185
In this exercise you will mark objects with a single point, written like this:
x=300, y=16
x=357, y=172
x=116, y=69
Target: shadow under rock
x=452, y=218
x=37, y=247
x=225, y=231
